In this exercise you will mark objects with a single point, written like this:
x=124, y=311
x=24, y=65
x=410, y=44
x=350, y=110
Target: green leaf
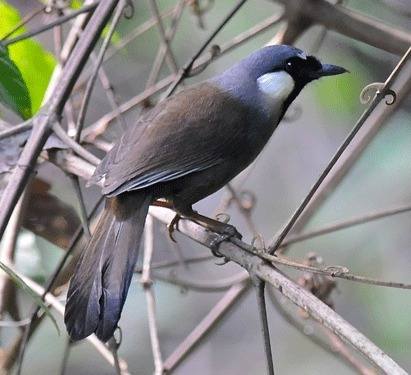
x=23, y=286
x=34, y=62
x=13, y=90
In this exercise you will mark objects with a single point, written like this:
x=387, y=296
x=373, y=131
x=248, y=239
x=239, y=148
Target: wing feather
x=189, y=132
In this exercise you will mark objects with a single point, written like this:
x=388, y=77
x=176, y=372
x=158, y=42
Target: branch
x=349, y=23
x=50, y=25
x=52, y=110
x=380, y=95
x=295, y=293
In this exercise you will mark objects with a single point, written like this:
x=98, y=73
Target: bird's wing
x=189, y=132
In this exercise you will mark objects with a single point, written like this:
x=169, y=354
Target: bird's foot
x=225, y=231
x=173, y=226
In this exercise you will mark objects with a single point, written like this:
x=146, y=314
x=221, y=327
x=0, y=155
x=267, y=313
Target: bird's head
x=290, y=60
x=280, y=72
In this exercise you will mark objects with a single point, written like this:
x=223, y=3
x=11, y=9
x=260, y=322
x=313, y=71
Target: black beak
x=330, y=70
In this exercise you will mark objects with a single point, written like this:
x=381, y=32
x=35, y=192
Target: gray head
x=279, y=71
x=296, y=63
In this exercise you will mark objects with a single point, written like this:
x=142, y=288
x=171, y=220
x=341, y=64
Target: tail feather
x=99, y=287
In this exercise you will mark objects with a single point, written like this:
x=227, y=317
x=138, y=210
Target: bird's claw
x=229, y=231
x=173, y=226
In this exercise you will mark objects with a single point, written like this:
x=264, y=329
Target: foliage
x=34, y=62
x=22, y=285
x=13, y=90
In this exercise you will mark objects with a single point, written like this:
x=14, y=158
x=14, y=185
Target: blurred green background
x=284, y=172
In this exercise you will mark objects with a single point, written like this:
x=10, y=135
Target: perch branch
x=295, y=293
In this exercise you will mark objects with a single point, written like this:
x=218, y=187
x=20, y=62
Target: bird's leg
x=165, y=204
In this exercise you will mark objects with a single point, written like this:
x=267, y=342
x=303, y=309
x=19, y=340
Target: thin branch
x=262, y=309
x=335, y=346
x=165, y=49
x=82, y=205
x=76, y=147
x=215, y=314
x=26, y=19
x=347, y=223
x=171, y=61
x=59, y=21
x=352, y=24
x=149, y=293
x=187, y=67
x=203, y=286
x=295, y=293
x=98, y=128
x=93, y=78
x=50, y=113
x=59, y=307
x=385, y=90
x=370, y=129
x=138, y=31
x=16, y=129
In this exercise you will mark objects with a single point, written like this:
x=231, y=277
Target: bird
x=185, y=148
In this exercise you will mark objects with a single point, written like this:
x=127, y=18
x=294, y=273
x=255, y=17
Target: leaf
x=13, y=90
x=23, y=286
x=35, y=63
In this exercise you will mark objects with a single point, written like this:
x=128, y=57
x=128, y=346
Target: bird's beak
x=330, y=70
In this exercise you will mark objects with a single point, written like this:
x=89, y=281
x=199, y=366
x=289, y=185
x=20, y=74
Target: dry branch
x=235, y=252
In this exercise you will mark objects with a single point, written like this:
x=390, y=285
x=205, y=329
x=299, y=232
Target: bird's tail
x=102, y=276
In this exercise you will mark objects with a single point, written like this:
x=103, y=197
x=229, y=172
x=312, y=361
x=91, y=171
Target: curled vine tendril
x=128, y=10
x=370, y=91
x=199, y=10
x=223, y=217
x=214, y=51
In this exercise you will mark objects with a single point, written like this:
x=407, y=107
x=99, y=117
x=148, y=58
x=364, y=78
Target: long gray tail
x=102, y=276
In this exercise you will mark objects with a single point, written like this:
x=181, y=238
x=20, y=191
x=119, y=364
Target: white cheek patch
x=278, y=85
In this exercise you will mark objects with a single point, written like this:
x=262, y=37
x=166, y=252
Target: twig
x=42, y=122
x=66, y=354
x=76, y=147
x=335, y=346
x=82, y=206
x=149, y=293
x=59, y=307
x=352, y=24
x=371, y=127
x=171, y=61
x=385, y=90
x=16, y=129
x=332, y=271
x=26, y=19
x=98, y=128
x=165, y=48
x=262, y=309
x=204, y=286
x=93, y=78
x=59, y=21
x=187, y=67
x=296, y=294
x=347, y=223
x=215, y=314
x=138, y=31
